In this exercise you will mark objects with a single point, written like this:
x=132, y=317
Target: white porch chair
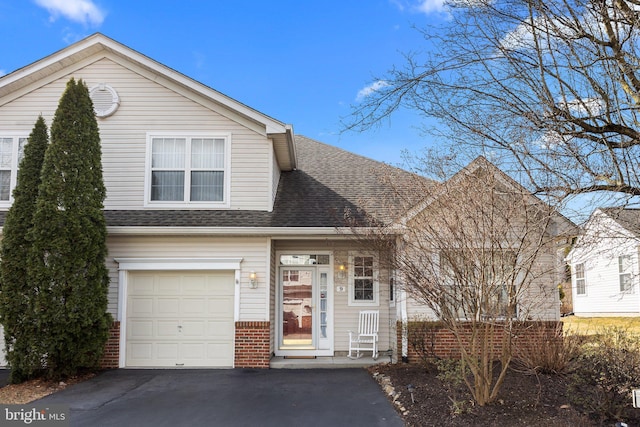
x=367, y=337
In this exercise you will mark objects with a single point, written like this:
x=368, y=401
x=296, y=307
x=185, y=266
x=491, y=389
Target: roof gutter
x=289, y=232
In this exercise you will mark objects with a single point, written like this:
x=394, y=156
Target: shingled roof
x=628, y=218
x=328, y=183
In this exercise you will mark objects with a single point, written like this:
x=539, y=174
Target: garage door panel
x=219, y=330
x=140, y=306
x=168, y=285
x=140, y=329
x=194, y=328
x=196, y=285
x=181, y=319
x=167, y=329
x=222, y=306
x=167, y=351
x=194, y=351
x=193, y=307
x=144, y=285
x=167, y=307
x=140, y=350
x=217, y=351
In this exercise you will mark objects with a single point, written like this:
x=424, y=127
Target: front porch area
x=328, y=362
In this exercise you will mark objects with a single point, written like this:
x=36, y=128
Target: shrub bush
x=553, y=352
x=606, y=372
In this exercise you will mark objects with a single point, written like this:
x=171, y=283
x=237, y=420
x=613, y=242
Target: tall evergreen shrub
x=67, y=258
x=17, y=298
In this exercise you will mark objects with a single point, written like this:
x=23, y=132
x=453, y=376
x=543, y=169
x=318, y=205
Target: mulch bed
x=524, y=400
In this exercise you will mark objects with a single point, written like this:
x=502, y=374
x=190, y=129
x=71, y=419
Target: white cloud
x=430, y=6
x=368, y=90
x=82, y=11
x=2, y=72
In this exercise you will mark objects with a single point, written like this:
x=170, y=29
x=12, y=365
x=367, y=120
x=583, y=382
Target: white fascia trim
x=58, y=58
x=251, y=231
x=146, y=264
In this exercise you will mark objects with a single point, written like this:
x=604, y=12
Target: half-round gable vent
x=105, y=100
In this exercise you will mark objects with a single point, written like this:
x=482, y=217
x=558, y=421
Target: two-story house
x=227, y=237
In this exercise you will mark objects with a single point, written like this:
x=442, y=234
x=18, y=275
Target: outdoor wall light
x=342, y=270
x=253, y=280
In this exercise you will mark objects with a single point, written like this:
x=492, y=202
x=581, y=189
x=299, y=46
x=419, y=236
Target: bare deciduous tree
x=479, y=254
x=550, y=89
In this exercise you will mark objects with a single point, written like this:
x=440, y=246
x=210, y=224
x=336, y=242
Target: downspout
x=405, y=326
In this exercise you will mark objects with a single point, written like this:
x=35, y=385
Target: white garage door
x=180, y=319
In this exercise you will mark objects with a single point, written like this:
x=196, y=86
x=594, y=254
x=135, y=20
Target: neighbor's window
x=581, y=283
x=188, y=169
x=11, y=153
x=624, y=272
x=363, y=289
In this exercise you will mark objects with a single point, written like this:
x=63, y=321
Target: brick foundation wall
x=252, y=345
x=111, y=357
x=431, y=339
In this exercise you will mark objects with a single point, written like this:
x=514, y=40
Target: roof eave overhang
x=99, y=42
x=289, y=232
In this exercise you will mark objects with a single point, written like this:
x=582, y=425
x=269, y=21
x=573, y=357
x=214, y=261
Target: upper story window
x=581, y=282
x=187, y=169
x=11, y=152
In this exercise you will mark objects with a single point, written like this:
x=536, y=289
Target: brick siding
x=253, y=349
x=111, y=356
x=431, y=339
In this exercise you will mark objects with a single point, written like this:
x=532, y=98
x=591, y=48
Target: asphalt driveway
x=238, y=397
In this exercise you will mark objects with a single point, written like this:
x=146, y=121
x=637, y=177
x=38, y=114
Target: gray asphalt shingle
x=328, y=183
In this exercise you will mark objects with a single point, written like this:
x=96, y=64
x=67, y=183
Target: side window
x=581, y=282
x=11, y=153
x=624, y=273
x=363, y=280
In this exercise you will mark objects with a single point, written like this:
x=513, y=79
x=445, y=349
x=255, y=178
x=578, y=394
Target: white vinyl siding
x=600, y=250
x=150, y=104
x=252, y=250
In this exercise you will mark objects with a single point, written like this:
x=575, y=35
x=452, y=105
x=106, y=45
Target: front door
x=304, y=311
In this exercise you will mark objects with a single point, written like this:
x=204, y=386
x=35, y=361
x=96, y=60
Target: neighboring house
x=228, y=236
x=604, y=264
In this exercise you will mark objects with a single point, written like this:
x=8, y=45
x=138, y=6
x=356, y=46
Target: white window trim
x=14, y=164
x=225, y=203
x=574, y=275
x=376, y=282
x=629, y=271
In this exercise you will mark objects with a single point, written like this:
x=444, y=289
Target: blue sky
x=303, y=63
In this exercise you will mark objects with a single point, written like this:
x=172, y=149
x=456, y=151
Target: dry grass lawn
x=594, y=325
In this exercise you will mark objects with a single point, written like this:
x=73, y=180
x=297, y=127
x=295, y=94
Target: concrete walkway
x=238, y=397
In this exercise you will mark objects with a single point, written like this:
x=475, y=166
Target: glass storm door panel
x=297, y=307
x=323, y=309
